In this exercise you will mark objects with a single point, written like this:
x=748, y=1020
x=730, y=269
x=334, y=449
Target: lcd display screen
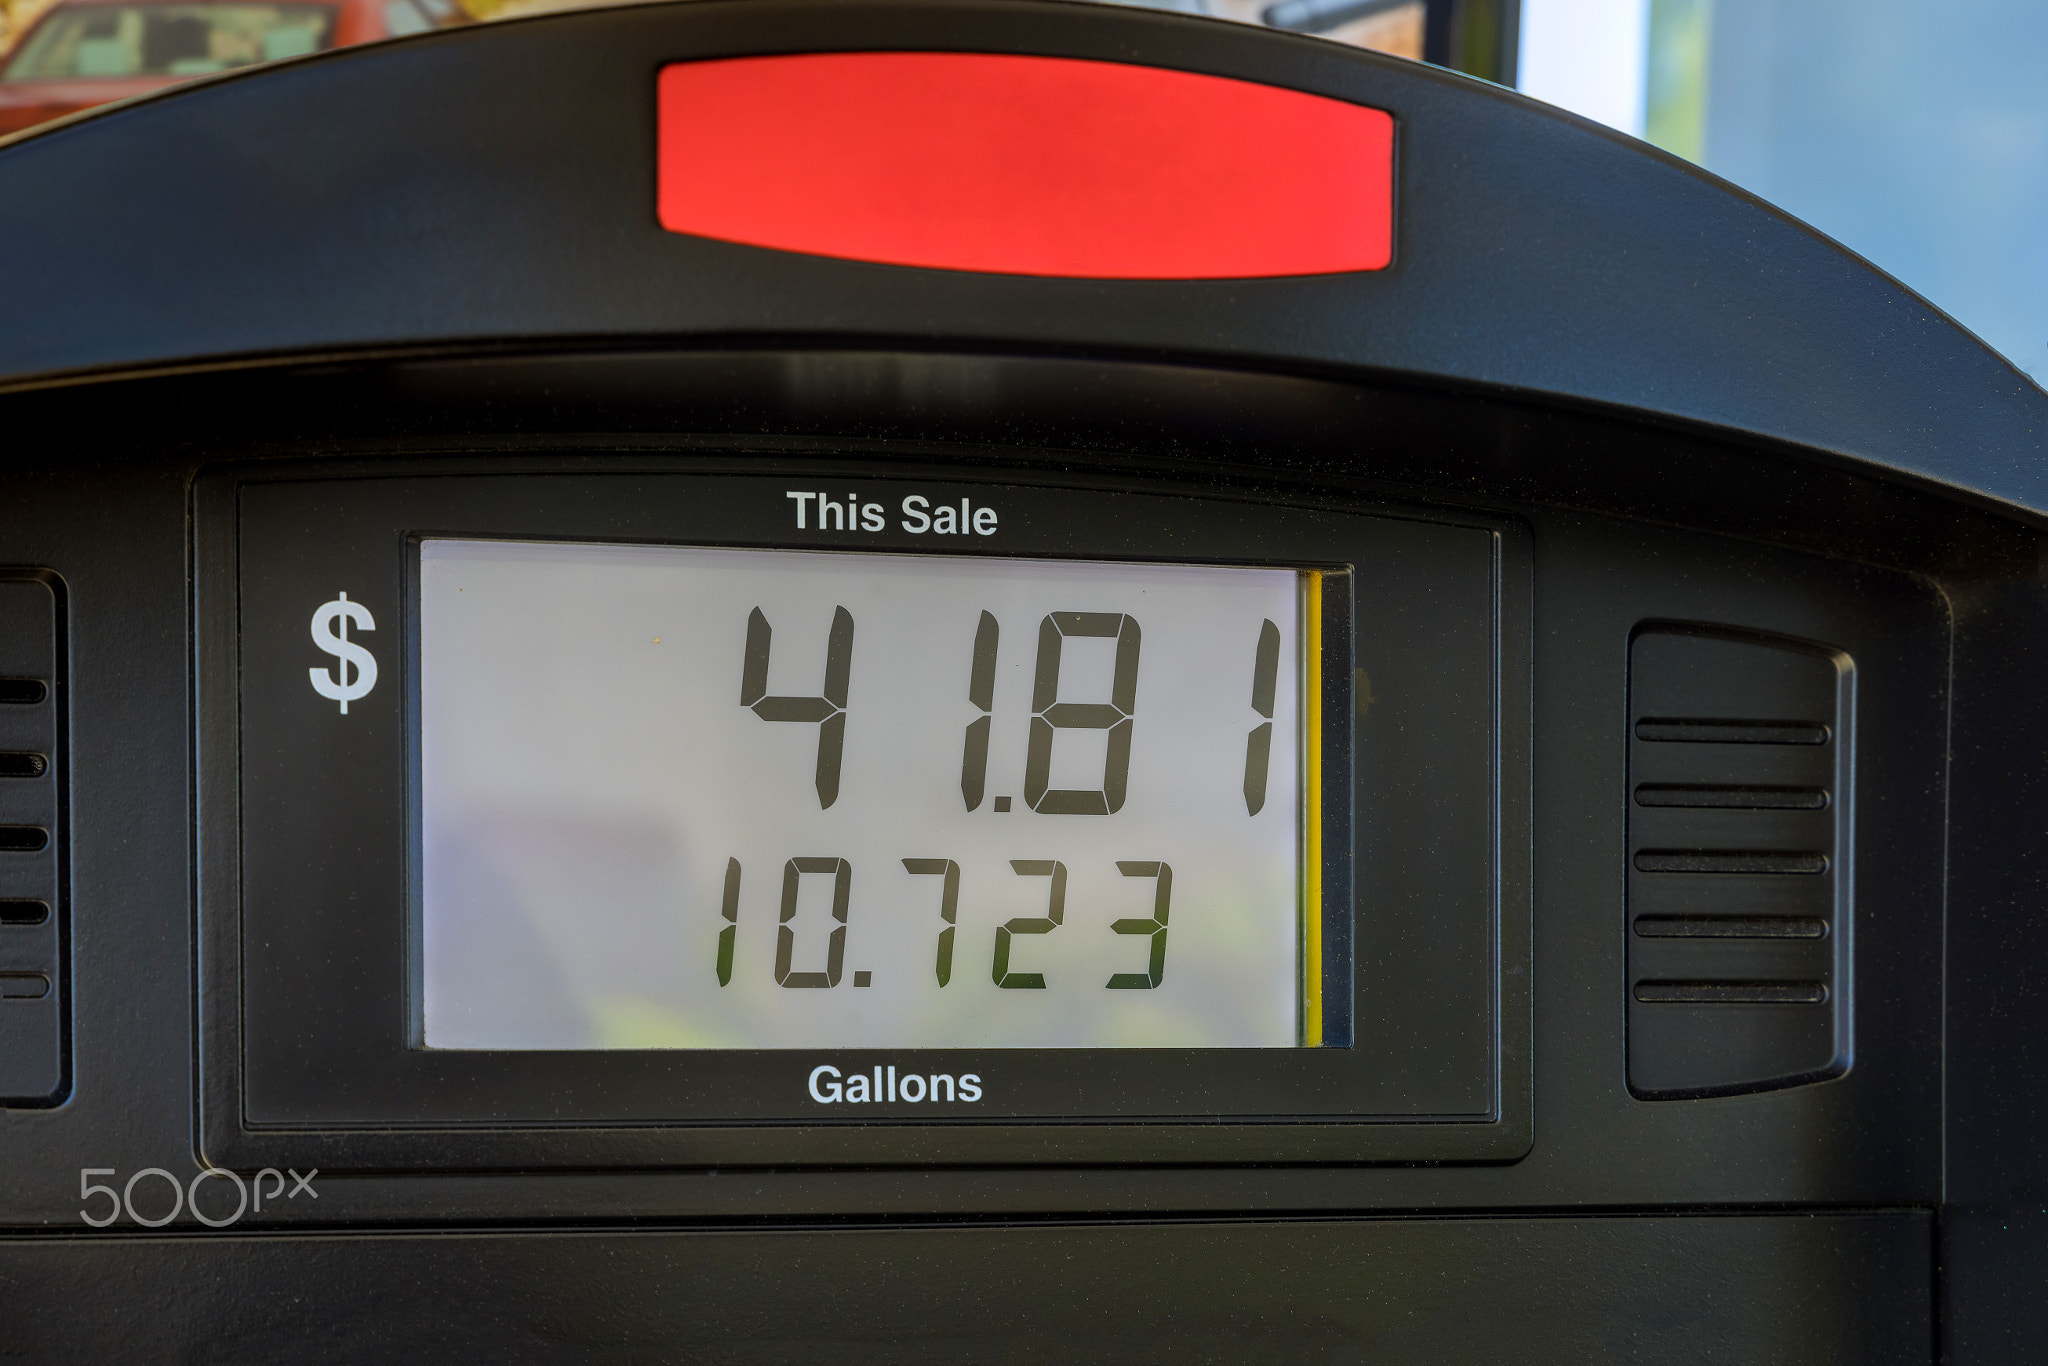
x=747, y=799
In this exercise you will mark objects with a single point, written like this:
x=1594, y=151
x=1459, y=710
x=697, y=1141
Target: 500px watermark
x=184, y=1197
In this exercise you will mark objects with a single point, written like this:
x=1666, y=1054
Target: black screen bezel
x=324, y=1053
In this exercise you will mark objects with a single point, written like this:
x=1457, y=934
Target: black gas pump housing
x=1727, y=1052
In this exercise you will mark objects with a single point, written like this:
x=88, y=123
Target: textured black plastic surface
x=117, y=532
x=1762, y=1290
x=1995, y=1220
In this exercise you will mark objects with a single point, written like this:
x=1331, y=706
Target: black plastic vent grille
x=34, y=1011
x=1738, y=831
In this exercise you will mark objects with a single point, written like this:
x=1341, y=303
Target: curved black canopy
x=495, y=184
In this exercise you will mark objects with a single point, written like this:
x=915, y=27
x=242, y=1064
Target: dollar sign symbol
x=330, y=633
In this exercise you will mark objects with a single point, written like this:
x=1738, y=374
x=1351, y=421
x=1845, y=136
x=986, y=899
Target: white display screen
x=744, y=799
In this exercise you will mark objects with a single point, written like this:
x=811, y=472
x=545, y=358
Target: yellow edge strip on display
x=1312, y=817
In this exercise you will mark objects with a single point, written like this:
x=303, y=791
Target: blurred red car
x=87, y=52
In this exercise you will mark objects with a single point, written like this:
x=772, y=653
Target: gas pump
x=933, y=681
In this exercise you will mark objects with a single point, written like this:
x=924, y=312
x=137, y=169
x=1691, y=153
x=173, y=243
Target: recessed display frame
x=310, y=966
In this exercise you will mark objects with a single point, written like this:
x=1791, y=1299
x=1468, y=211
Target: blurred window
x=402, y=18
x=1915, y=135
x=1393, y=26
x=109, y=40
x=1588, y=56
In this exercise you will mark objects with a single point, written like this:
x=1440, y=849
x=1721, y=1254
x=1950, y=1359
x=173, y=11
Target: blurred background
x=1914, y=133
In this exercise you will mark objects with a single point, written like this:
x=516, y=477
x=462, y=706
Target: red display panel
x=1023, y=165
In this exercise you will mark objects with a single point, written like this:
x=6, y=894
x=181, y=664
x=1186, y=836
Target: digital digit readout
x=691, y=798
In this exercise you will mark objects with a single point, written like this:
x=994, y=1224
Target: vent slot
x=23, y=986
x=21, y=911
x=22, y=692
x=1732, y=993
x=1738, y=821
x=1732, y=798
x=1726, y=732
x=23, y=839
x=1730, y=927
x=20, y=765
x=1728, y=861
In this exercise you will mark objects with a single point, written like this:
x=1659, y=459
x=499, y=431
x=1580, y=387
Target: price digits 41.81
x=1049, y=715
